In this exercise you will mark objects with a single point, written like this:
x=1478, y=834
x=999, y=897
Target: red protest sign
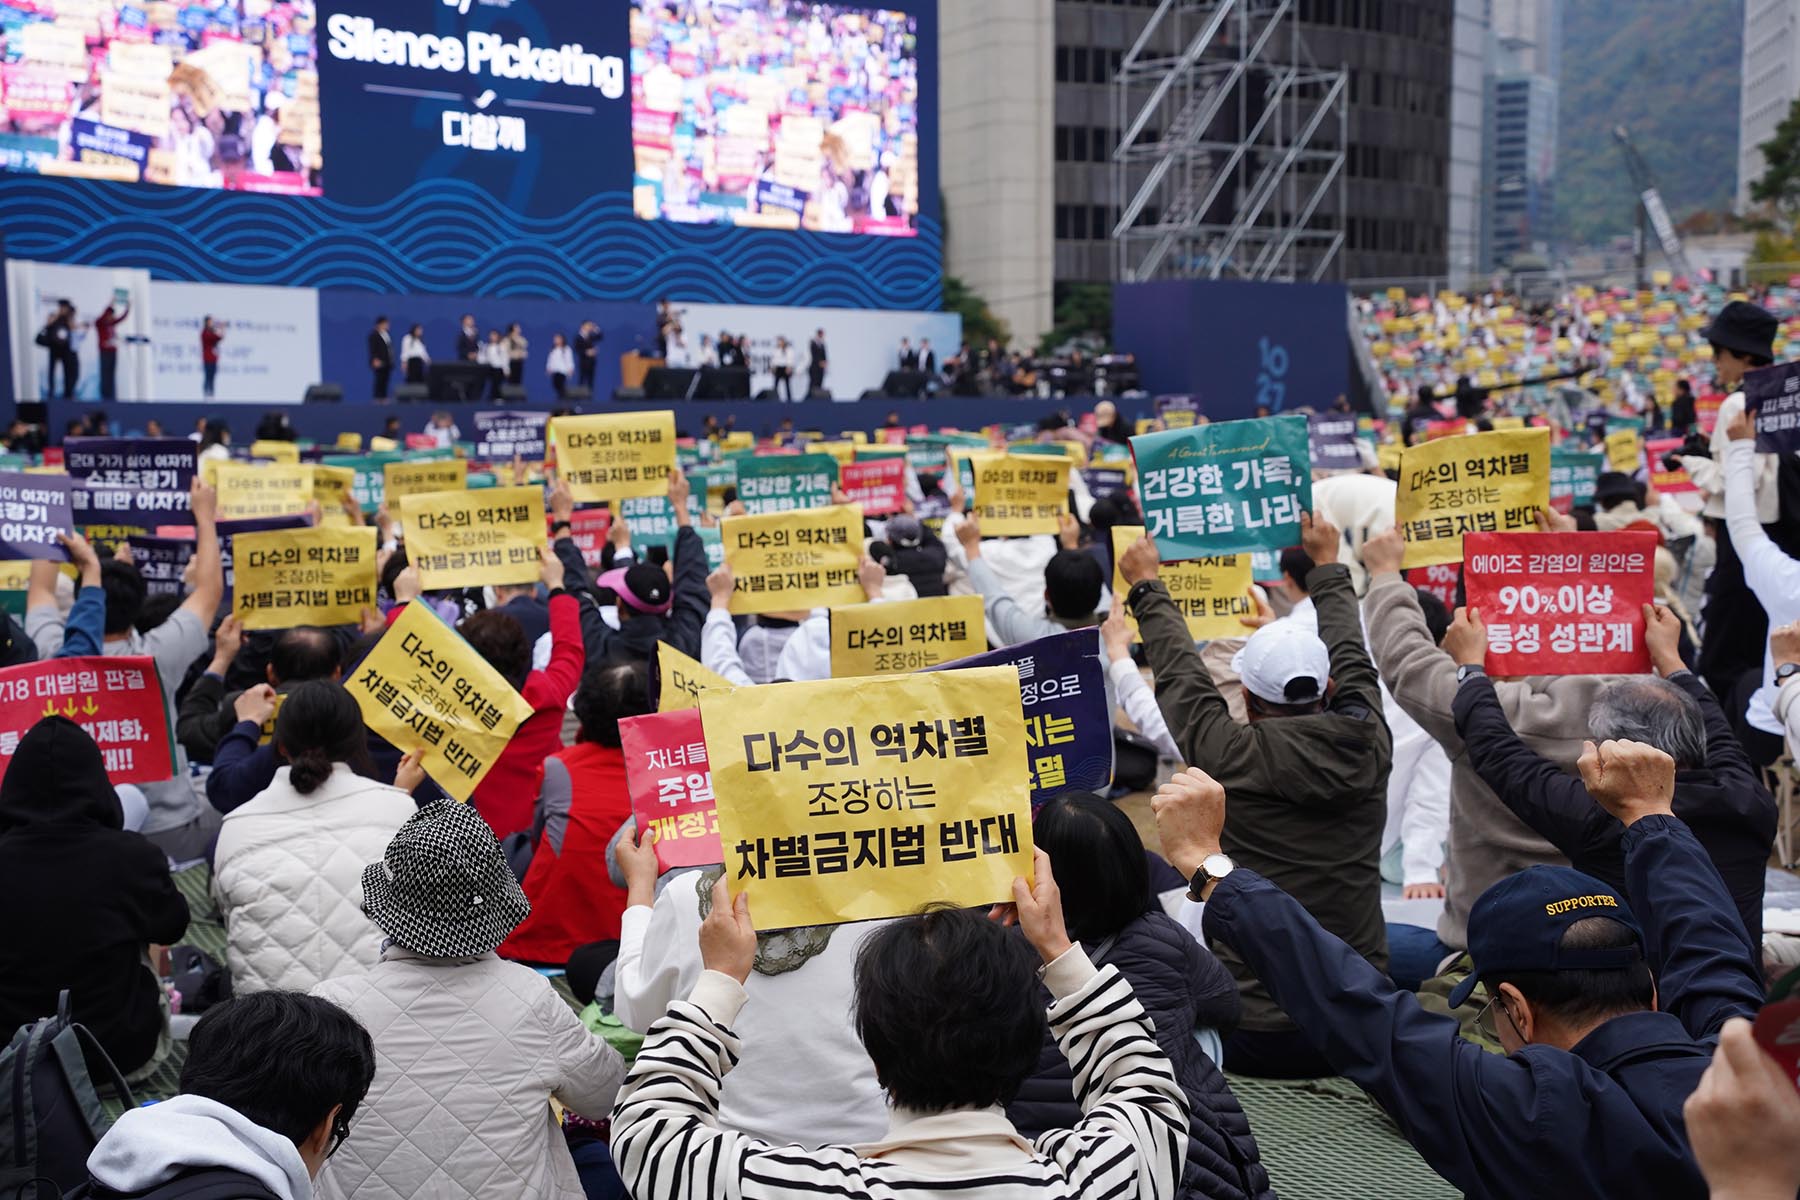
x=588, y=528
x=878, y=484
x=670, y=784
x=1440, y=581
x=1562, y=603
x=118, y=701
x=1777, y=1031
x=1706, y=410
x=1662, y=479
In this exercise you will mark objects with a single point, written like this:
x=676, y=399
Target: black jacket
x=1182, y=988
x=381, y=350
x=83, y=897
x=638, y=634
x=1724, y=802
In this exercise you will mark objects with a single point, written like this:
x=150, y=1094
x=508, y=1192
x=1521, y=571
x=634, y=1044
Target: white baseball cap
x=1284, y=663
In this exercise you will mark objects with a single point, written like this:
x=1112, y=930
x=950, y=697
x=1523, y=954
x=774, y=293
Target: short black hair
x=1073, y=582
x=1583, y=995
x=1099, y=862
x=947, y=1007
x=1296, y=564
x=499, y=638
x=1116, y=509
x=1437, y=616
x=282, y=1059
x=157, y=609
x=125, y=594
x=319, y=724
x=608, y=693
x=305, y=652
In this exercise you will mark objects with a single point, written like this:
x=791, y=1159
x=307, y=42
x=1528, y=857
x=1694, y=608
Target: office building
x=1770, y=82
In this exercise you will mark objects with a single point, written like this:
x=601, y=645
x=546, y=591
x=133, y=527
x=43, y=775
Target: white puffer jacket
x=468, y=1053
x=288, y=877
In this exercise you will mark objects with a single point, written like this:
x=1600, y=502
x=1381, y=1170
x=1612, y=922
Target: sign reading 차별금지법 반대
x=128, y=486
x=1472, y=483
x=33, y=510
x=681, y=681
x=670, y=785
x=878, y=484
x=854, y=799
x=1562, y=603
x=473, y=539
x=1772, y=396
x=315, y=576
x=794, y=560
x=1020, y=493
x=1224, y=488
x=906, y=635
x=1213, y=594
x=118, y=701
x=424, y=688
x=773, y=483
x=614, y=456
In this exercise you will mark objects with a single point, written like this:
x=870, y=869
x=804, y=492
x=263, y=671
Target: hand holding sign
x=1038, y=905
x=727, y=938
x=1139, y=562
x=1744, y=1119
x=636, y=854
x=1319, y=538
x=255, y=704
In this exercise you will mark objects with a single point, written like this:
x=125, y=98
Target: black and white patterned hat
x=442, y=887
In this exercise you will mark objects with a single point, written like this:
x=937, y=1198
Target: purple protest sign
x=1772, y=397
x=161, y=561
x=33, y=510
x=128, y=486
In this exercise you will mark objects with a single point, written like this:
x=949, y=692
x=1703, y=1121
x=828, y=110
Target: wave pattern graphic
x=450, y=237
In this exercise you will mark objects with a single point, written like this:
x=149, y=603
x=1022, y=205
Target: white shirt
x=413, y=347
x=562, y=360
x=1771, y=574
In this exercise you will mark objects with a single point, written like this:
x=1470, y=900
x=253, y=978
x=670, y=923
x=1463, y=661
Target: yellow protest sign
x=473, y=539
x=1213, y=594
x=1387, y=455
x=1623, y=451
x=807, y=558
x=349, y=441
x=843, y=452
x=854, y=799
x=1509, y=422
x=402, y=479
x=313, y=576
x=684, y=680
x=1021, y=494
x=1473, y=483
x=274, y=451
x=330, y=486
x=616, y=456
x=737, y=439
x=892, y=639
x=262, y=490
x=424, y=688
x=379, y=445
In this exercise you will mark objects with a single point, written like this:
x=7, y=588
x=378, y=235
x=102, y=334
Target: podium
x=634, y=366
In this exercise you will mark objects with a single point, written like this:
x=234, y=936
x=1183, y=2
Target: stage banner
x=670, y=785
x=424, y=688
x=1331, y=441
x=1772, y=398
x=1068, y=721
x=251, y=491
x=878, y=485
x=34, y=509
x=795, y=560
x=1020, y=494
x=128, y=485
x=1475, y=483
x=772, y=483
x=161, y=561
x=615, y=456
x=855, y=799
x=502, y=435
x=681, y=681
x=118, y=701
x=1573, y=476
x=906, y=635
x=475, y=539
x=1562, y=603
x=314, y=576
x=1225, y=488
x=269, y=348
x=413, y=478
x=1213, y=594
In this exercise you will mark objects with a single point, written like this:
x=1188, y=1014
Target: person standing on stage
x=517, y=348
x=106, y=332
x=781, y=363
x=587, y=354
x=468, y=340
x=817, y=361
x=414, y=358
x=211, y=334
x=561, y=364
x=381, y=356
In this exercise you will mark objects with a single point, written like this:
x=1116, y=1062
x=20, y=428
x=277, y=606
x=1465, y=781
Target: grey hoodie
x=150, y=1146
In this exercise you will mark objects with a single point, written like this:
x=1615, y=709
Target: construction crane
x=1650, y=209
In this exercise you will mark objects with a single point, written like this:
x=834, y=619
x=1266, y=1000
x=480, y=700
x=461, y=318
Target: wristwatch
x=1212, y=868
x=1467, y=669
x=1785, y=672
x=561, y=525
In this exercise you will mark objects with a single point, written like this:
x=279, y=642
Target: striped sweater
x=1129, y=1143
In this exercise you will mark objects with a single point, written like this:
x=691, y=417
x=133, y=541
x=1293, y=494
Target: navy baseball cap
x=1518, y=925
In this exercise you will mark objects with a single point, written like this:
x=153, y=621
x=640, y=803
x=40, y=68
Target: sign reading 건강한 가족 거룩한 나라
x=1225, y=488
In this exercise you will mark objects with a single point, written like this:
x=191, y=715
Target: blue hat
x=1518, y=925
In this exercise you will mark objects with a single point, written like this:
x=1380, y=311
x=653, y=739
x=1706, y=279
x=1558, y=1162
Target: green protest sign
x=1225, y=488
x=784, y=482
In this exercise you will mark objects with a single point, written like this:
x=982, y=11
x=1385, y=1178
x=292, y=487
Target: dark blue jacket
x=1601, y=1120
x=242, y=768
x=1723, y=802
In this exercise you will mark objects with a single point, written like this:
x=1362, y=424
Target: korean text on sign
x=502, y=434
x=33, y=510
x=1224, y=488
x=682, y=681
x=670, y=785
x=1669, y=482
x=1574, y=474
x=834, y=806
x=802, y=559
x=1562, y=603
x=128, y=485
x=401, y=479
x=907, y=635
x=473, y=539
x=1213, y=594
x=879, y=484
x=424, y=688
x=292, y=577
x=1476, y=483
x=247, y=492
x=588, y=528
x=1020, y=494
x=783, y=482
x=1772, y=396
x=616, y=455
x=118, y=701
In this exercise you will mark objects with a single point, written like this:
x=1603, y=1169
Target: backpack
x=202, y=1183
x=50, y=1116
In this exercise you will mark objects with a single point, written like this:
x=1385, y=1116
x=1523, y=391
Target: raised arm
x=718, y=637
x=552, y=687
x=209, y=575
x=1768, y=571
x=1340, y=625
x=1421, y=677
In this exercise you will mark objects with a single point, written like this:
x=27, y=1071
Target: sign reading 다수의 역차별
x=474, y=539
x=614, y=456
x=249, y=492
x=1213, y=593
x=316, y=576
x=33, y=510
x=424, y=688
x=670, y=785
x=117, y=700
x=794, y=560
x=906, y=635
x=1224, y=488
x=681, y=681
x=1562, y=603
x=402, y=479
x=1018, y=494
x=1474, y=483
x=853, y=799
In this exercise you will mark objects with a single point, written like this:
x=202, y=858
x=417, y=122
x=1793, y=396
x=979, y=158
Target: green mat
x=1322, y=1139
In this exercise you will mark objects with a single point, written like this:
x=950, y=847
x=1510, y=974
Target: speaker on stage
x=903, y=385
x=512, y=393
x=668, y=383
x=324, y=393
x=874, y=394
x=412, y=393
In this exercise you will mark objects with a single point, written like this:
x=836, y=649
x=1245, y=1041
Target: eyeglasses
x=1484, y=1020
x=340, y=1131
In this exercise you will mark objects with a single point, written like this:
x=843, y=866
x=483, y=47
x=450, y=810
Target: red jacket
x=209, y=344
x=507, y=796
x=573, y=900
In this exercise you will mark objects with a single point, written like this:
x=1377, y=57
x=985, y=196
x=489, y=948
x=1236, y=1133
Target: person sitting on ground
x=1310, y=768
x=84, y=630
x=1717, y=792
x=85, y=900
x=1606, y=1024
x=1073, y=587
x=805, y=652
x=1103, y=874
x=947, y=1008
x=912, y=550
x=209, y=713
x=470, y=1048
x=288, y=870
x=270, y=1087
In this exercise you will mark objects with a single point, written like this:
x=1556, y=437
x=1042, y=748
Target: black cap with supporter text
x=1518, y=925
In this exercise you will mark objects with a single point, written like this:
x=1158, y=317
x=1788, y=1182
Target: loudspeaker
x=904, y=384
x=871, y=394
x=324, y=393
x=412, y=393
x=512, y=393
